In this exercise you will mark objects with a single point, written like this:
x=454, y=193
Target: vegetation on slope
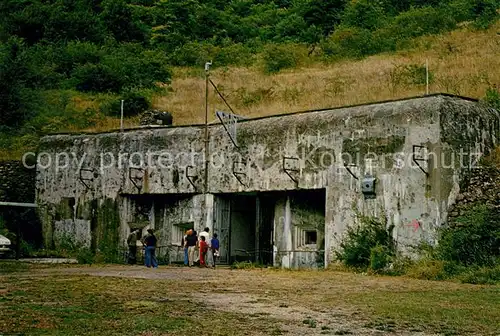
x=468, y=250
x=66, y=64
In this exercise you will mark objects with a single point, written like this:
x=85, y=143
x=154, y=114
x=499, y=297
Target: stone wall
x=483, y=187
x=17, y=183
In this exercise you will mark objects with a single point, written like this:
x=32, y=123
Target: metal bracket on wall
x=190, y=177
x=239, y=172
x=136, y=178
x=230, y=123
x=349, y=169
x=417, y=159
x=82, y=179
x=291, y=165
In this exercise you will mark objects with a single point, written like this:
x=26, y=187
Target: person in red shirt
x=203, y=251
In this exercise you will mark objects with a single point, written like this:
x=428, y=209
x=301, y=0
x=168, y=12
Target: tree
x=324, y=14
x=14, y=94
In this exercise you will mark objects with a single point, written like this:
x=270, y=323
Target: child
x=215, y=247
x=203, y=251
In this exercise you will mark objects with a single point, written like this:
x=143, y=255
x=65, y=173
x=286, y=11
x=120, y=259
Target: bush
x=85, y=256
x=468, y=251
x=192, y=54
x=428, y=269
x=352, y=42
x=367, y=14
x=422, y=21
x=487, y=13
x=97, y=78
x=492, y=97
x=481, y=276
x=124, y=67
x=482, y=12
x=399, y=265
x=234, y=54
x=278, y=57
x=198, y=53
x=379, y=258
x=473, y=240
x=366, y=244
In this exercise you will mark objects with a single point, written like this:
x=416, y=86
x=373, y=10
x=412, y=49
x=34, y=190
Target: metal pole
x=427, y=76
x=18, y=241
x=207, y=66
x=121, y=118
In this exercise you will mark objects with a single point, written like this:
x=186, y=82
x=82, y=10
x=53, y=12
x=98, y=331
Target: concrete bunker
x=287, y=187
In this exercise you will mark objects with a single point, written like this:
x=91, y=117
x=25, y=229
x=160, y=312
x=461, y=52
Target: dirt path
x=259, y=294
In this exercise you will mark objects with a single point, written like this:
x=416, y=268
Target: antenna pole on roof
x=427, y=76
x=207, y=74
x=121, y=117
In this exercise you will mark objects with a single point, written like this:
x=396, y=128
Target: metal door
x=222, y=224
x=265, y=220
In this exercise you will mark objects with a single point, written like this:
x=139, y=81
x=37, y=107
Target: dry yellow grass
x=461, y=62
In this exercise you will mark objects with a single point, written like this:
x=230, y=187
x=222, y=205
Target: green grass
x=466, y=310
x=60, y=300
x=87, y=306
x=7, y=267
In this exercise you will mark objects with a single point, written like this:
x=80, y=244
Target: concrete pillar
x=208, y=213
x=329, y=202
x=287, y=231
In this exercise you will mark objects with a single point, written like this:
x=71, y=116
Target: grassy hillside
x=464, y=62
x=65, y=65
x=461, y=62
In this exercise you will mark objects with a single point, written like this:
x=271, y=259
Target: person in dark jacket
x=191, y=242
x=150, y=242
x=132, y=247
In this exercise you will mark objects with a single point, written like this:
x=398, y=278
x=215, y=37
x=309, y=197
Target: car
x=5, y=246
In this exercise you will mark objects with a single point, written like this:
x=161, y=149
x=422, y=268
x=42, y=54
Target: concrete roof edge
x=151, y=127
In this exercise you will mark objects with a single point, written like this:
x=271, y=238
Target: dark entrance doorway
x=244, y=224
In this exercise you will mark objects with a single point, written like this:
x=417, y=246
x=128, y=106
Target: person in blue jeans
x=150, y=247
x=185, y=247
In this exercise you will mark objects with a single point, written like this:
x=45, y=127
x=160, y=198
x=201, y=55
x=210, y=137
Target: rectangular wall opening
x=244, y=224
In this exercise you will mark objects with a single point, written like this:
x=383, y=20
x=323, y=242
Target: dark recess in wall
x=17, y=184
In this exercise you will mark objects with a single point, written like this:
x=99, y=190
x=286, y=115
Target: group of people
x=200, y=247
x=197, y=248
x=149, y=242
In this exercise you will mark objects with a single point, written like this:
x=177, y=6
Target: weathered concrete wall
x=175, y=216
x=89, y=168
x=316, y=145
x=294, y=216
x=469, y=132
